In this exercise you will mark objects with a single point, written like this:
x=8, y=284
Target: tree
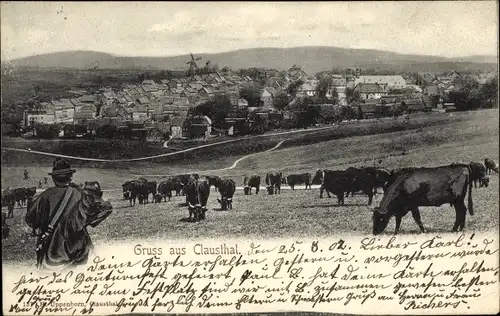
x=281, y=101
x=252, y=95
x=322, y=87
x=352, y=95
x=294, y=86
x=335, y=96
x=217, y=109
x=489, y=93
x=348, y=113
x=307, y=113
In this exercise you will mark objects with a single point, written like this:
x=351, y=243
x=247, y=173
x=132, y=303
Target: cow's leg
x=416, y=216
x=398, y=224
x=256, y=190
x=370, y=197
x=321, y=192
x=461, y=213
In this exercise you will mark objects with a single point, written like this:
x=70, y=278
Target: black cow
x=9, y=201
x=302, y=178
x=318, y=179
x=126, y=190
x=138, y=189
x=213, y=180
x=197, y=193
x=425, y=187
x=490, y=165
x=183, y=179
x=340, y=182
x=166, y=187
x=20, y=195
x=227, y=187
x=273, y=182
x=362, y=177
x=478, y=174
x=152, y=189
x=251, y=182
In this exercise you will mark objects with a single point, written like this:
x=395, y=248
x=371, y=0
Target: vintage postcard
x=248, y=157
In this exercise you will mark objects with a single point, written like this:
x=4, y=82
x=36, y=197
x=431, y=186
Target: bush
x=48, y=131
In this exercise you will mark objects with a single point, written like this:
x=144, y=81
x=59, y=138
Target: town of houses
x=165, y=105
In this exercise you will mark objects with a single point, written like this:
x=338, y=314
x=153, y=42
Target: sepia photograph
x=191, y=131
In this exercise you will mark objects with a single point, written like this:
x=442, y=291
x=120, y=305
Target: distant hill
x=310, y=59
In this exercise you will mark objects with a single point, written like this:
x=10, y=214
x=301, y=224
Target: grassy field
x=298, y=213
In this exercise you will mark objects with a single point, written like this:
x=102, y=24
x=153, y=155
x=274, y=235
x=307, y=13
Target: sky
x=444, y=28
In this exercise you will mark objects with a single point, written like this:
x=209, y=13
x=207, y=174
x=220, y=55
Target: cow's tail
x=469, y=199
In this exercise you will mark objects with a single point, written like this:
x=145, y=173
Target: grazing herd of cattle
x=405, y=189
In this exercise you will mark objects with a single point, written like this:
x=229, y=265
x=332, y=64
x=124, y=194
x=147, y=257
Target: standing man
x=26, y=174
x=62, y=214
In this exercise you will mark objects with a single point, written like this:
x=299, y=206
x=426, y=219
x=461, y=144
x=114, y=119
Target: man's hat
x=61, y=166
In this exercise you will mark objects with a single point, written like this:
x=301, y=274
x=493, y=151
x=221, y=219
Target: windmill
x=192, y=65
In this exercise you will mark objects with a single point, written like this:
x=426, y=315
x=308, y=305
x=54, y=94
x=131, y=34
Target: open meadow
x=465, y=137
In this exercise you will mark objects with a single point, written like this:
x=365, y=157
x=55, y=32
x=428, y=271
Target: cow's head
x=270, y=189
x=225, y=203
x=126, y=195
x=125, y=187
x=246, y=190
x=198, y=211
x=92, y=196
x=380, y=221
x=485, y=181
x=31, y=192
x=318, y=177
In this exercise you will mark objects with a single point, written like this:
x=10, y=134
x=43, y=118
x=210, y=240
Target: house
x=431, y=90
x=369, y=91
x=176, y=124
x=369, y=110
x=88, y=98
x=391, y=81
x=413, y=105
x=46, y=115
x=83, y=117
x=117, y=112
x=77, y=104
x=307, y=89
x=64, y=110
x=242, y=103
x=140, y=113
x=197, y=126
x=148, y=82
x=267, y=98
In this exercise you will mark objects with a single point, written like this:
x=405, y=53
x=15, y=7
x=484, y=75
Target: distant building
x=370, y=91
x=43, y=116
x=391, y=82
